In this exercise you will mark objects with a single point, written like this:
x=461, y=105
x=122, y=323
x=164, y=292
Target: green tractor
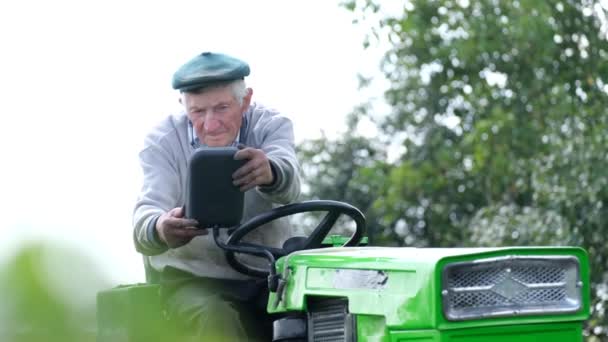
x=433, y=294
x=330, y=288
x=363, y=293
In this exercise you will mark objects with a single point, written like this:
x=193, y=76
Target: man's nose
x=211, y=124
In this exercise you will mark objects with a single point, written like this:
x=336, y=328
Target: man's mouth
x=216, y=136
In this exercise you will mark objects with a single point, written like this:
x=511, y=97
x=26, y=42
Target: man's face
x=215, y=115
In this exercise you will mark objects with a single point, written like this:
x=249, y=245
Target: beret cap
x=209, y=68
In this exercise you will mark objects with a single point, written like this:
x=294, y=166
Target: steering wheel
x=333, y=208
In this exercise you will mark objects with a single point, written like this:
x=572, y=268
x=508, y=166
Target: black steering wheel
x=333, y=208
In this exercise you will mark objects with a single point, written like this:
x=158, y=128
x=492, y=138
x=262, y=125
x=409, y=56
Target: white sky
x=81, y=82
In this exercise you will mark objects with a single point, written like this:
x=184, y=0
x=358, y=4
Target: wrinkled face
x=215, y=115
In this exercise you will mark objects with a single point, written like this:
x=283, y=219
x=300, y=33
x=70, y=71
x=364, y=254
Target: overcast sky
x=81, y=82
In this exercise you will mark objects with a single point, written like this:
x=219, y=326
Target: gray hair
x=238, y=88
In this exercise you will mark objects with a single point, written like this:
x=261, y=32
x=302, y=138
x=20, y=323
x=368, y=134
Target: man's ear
x=247, y=98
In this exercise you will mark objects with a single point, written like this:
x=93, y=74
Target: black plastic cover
x=211, y=198
x=289, y=329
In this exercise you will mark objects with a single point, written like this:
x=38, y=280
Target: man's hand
x=256, y=171
x=175, y=230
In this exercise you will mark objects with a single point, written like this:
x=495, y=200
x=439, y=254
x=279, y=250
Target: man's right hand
x=175, y=230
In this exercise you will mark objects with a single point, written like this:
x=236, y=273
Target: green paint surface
x=407, y=306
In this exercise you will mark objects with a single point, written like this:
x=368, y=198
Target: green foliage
x=48, y=294
x=503, y=109
x=512, y=225
x=346, y=170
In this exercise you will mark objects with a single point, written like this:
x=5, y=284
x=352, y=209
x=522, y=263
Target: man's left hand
x=257, y=171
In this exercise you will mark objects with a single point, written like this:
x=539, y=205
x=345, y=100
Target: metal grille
x=539, y=274
x=511, y=286
x=542, y=296
x=475, y=299
x=483, y=277
x=329, y=320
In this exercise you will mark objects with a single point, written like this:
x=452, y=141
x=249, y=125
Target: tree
x=350, y=170
x=502, y=105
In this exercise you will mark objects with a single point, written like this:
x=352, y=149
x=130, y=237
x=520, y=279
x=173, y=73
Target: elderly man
x=202, y=292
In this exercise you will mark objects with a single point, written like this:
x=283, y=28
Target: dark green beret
x=209, y=68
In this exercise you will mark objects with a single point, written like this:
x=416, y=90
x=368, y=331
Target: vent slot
x=329, y=320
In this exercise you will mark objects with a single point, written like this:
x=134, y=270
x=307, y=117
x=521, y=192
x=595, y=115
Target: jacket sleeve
x=159, y=194
x=278, y=144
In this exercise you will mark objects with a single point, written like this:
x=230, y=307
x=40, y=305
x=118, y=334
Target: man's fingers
x=251, y=184
x=246, y=153
x=255, y=172
x=246, y=177
x=177, y=231
x=188, y=232
x=245, y=169
x=176, y=212
x=181, y=223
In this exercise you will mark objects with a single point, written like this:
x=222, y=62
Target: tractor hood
x=403, y=286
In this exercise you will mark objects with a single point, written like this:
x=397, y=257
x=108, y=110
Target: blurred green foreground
x=48, y=294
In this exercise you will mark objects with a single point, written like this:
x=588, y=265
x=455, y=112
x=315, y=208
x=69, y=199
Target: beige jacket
x=164, y=160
